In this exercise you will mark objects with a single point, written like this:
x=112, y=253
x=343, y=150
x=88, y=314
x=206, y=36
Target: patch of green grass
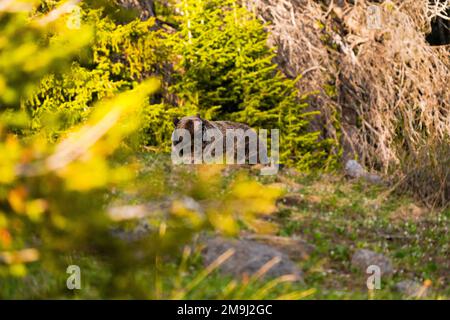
x=340, y=216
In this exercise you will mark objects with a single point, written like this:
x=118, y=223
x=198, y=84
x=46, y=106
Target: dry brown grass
x=387, y=87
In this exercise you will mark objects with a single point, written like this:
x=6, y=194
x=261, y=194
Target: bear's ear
x=198, y=116
x=176, y=121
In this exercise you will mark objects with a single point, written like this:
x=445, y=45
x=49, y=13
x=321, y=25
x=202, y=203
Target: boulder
x=354, y=170
x=248, y=258
x=295, y=248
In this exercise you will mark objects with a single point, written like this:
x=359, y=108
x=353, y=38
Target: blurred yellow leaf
x=209, y=173
x=254, y=189
x=10, y=152
x=59, y=221
x=85, y=175
x=6, y=173
x=17, y=199
x=261, y=226
x=3, y=220
x=224, y=223
x=5, y=238
x=180, y=210
x=36, y=208
x=18, y=270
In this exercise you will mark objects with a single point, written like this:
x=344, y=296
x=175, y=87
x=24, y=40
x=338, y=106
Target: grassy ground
x=340, y=216
x=335, y=215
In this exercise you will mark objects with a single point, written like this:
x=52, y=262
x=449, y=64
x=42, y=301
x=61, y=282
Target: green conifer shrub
x=217, y=62
x=120, y=57
x=226, y=71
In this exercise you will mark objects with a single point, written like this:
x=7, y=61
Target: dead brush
x=431, y=179
x=296, y=31
x=385, y=89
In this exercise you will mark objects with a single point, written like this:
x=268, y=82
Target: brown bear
x=253, y=150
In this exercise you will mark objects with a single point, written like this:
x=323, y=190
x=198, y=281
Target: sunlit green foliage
x=119, y=57
x=217, y=62
x=226, y=71
x=56, y=194
x=21, y=40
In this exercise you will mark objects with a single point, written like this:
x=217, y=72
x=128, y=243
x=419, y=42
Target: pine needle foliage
x=120, y=57
x=226, y=71
x=216, y=62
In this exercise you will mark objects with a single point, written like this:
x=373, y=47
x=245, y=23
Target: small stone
x=354, y=170
x=373, y=178
x=411, y=288
x=362, y=259
x=248, y=258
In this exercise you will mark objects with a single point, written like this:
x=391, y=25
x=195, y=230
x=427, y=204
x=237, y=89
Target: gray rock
x=294, y=247
x=412, y=289
x=362, y=259
x=248, y=258
x=373, y=178
x=354, y=170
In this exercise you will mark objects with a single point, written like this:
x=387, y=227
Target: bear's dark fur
x=189, y=124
